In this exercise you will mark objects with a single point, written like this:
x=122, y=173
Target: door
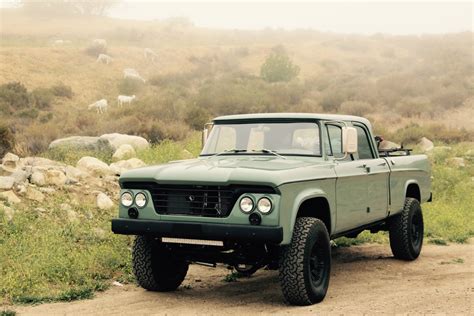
x=377, y=176
x=351, y=184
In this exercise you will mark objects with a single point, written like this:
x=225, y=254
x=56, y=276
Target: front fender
x=295, y=194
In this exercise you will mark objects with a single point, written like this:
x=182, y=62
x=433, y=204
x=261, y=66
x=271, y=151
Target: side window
x=335, y=140
x=363, y=148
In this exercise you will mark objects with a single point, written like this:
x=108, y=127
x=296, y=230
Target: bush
x=355, y=108
x=61, y=90
x=129, y=86
x=157, y=132
x=42, y=98
x=15, y=95
x=278, y=67
x=197, y=117
x=7, y=139
x=414, y=107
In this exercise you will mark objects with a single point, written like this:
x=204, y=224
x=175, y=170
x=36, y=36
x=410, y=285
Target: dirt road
x=365, y=280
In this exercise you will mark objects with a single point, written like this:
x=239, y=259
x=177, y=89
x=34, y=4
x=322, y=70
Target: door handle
x=364, y=166
x=382, y=164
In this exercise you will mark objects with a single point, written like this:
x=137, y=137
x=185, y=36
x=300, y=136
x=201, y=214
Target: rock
x=47, y=190
x=385, y=144
x=10, y=197
x=74, y=174
x=94, y=166
x=55, y=177
x=34, y=195
x=425, y=144
x=20, y=176
x=116, y=140
x=82, y=143
x=124, y=165
x=8, y=211
x=125, y=151
x=6, y=183
x=40, y=162
x=104, y=202
x=456, y=162
x=115, y=283
x=9, y=163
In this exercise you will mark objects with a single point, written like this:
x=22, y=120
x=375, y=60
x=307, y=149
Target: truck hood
x=273, y=171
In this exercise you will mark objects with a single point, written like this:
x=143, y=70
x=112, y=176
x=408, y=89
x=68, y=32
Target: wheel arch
x=412, y=190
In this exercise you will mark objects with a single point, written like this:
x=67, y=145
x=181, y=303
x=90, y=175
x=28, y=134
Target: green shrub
x=28, y=113
x=278, y=67
x=15, y=95
x=129, y=86
x=7, y=139
x=42, y=98
x=196, y=118
x=61, y=90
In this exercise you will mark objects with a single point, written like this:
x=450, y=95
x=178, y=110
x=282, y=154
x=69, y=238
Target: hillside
x=397, y=81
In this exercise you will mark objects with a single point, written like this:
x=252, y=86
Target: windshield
x=300, y=138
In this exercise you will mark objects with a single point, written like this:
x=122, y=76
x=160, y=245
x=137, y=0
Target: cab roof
x=290, y=116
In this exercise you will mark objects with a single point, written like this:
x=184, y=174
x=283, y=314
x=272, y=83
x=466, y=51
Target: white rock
x=115, y=283
x=38, y=178
x=55, y=177
x=104, y=202
x=388, y=145
x=20, y=176
x=6, y=183
x=426, y=144
x=81, y=143
x=34, y=195
x=125, y=151
x=10, y=197
x=74, y=174
x=10, y=160
x=94, y=166
x=124, y=165
x=116, y=140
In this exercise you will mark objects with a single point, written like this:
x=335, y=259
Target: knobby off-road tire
x=406, y=231
x=305, y=264
x=155, y=268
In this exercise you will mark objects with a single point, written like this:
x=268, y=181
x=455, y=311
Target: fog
x=340, y=17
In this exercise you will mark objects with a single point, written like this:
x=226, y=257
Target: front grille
x=195, y=200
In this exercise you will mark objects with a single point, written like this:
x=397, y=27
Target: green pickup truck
x=272, y=190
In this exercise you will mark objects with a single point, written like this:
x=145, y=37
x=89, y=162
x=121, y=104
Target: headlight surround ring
x=246, y=204
x=265, y=205
x=141, y=200
x=126, y=199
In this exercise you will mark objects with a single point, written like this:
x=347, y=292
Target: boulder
x=125, y=151
x=104, y=202
x=38, y=178
x=20, y=176
x=425, y=144
x=94, y=166
x=6, y=183
x=82, y=143
x=55, y=177
x=124, y=165
x=10, y=197
x=385, y=144
x=9, y=163
x=116, y=140
x=74, y=174
x=34, y=195
x=457, y=162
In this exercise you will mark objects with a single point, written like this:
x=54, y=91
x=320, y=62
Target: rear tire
x=406, y=231
x=155, y=268
x=306, y=263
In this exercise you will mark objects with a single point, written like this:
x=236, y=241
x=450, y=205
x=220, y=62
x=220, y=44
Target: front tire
x=155, y=267
x=305, y=264
x=406, y=231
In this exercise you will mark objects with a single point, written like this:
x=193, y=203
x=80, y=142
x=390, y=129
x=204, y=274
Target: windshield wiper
x=233, y=151
x=268, y=151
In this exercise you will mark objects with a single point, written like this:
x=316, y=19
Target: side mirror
x=205, y=133
x=349, y=140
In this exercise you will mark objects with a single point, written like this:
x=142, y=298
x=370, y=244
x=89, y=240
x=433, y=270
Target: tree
x=68, y=7
x=278, y=67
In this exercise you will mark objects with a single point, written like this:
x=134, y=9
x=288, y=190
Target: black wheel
x=305, y=264
x=155, y=268
x=246, y=270
x=406, y=231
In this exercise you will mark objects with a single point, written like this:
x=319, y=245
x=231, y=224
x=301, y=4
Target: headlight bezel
x=132, y=198
x=252, y=204
x=145, y=199
x=270, y=205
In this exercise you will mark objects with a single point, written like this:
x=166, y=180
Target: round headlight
x=264, y=205
x=140, y=200
x=246, y=204
x=126, y=199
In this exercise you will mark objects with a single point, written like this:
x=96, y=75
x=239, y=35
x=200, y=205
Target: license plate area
x=188, y=241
